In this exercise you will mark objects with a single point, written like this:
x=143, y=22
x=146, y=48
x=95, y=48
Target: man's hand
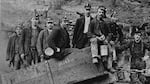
x=58, y=50
x=112, y=42
x=22, y=56
x=42, y=57
x=106, y=41
x=101, y=38
x=145, y=58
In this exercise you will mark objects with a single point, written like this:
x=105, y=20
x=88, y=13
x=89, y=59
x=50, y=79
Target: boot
x=95, y=60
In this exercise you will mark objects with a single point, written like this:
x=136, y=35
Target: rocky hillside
x=16, y=11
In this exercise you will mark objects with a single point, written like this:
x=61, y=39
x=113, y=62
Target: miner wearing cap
x=137, y=50
x=116, y=36
x=98, y=31
x=80, y=38
x=59, y=38
x=15, y=48
x=42, y=42
x=30, y=36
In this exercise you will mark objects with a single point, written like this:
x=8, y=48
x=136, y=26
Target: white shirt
x=86, y=25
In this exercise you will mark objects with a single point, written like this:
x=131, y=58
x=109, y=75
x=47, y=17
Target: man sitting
x=59, y=39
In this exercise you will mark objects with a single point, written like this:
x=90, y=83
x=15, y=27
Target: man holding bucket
x=59, y=39
x=99, y=33
x=42, y=43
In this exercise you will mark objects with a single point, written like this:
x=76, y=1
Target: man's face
x=65, y=24
x=49, y=24
x=147, y=27
x=87, y=11
x=137, y=37
x=18, y=30
x=34, y=22
x=101, y=13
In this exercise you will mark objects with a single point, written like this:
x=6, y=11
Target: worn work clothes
x=17, y=61
x=137, y=51
x=79, y=35
x=95, y=50
x=98, y=28
x=30, y=38
x=14, y=49
x=59, y=38
x=30, y=42
x=95, y=44
x=42, y=42
x=34, y=37
x=33, y=56
x=115, y=31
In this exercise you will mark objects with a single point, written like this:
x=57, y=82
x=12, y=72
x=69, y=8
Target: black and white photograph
x=74, y=41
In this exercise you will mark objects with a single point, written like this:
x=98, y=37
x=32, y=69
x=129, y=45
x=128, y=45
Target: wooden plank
x=74, y=68
x=19, y=76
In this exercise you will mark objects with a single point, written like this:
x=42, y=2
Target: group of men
x=89, y=31
x=28, y=45
x=98, y=31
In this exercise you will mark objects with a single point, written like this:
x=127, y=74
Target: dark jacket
x=59, y=38
x=11, y=51
x=115, y=31
x=27, y=35
x=98, y=28
x=42, y=41
x=78, y=30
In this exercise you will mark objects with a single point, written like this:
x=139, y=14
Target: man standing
x=59, y=38
x=15, y=48
x=30, y=36
x=42, y=42
x=80, y=38
x=137, y=51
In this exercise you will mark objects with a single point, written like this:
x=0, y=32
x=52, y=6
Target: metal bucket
x=104, y=50
x=49, y=51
